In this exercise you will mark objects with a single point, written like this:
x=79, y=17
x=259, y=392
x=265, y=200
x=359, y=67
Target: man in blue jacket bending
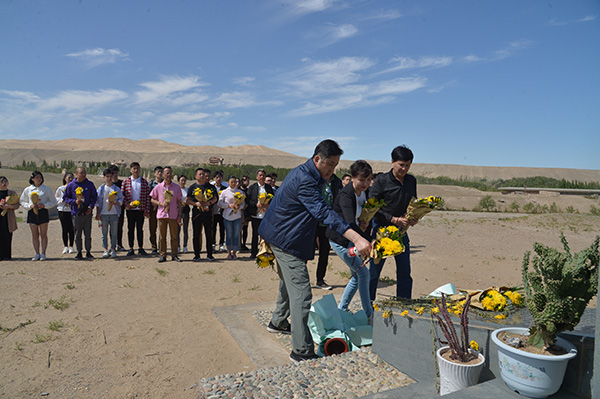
x=289, y=227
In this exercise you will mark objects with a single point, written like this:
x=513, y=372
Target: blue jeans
x=403, y=279
x=232, y=234
x=359, y=280
x=112, y=222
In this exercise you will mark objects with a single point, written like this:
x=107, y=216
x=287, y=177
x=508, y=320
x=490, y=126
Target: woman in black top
x=348, y=204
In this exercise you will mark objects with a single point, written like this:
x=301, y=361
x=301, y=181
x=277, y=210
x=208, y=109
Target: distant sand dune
x=151, y=152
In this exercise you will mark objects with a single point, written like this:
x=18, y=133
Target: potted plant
x=459, y=362
x=558, y=287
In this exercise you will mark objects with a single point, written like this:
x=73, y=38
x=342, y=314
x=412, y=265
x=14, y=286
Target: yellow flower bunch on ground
x=515, y=297
x=500, y=316
x=386, y=314
x=404, y=313
x=494, y=301
x=420, y=310
x=457, y=308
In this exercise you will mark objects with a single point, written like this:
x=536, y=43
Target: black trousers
x=5, y=239
x=200, y=220
x=120, y=227
x=324, y=248
x=218, y=220
x=135, y=223
x=66, y=223
x=255, y=225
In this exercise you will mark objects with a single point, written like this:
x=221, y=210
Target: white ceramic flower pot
x=457, y=376
x=529, y=374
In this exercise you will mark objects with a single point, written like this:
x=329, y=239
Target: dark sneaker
x=154, y=252
x=131, y=252
x=245, y=249
x=272, y=329
x=176, y=259
x=296, y=358
x=323, y=285
x=89, y=255
x=162, y=259
x=142, y=252
x=120, y=248
x=196, y=258
x=210, y=258
x=79, y=256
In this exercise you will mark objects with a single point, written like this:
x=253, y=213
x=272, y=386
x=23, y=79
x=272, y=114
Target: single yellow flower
x=474, y=345
x=387, y=314
x=420, y=310
x=500, y=316
x=404, y=313
x=435, y=310
x=376, y=307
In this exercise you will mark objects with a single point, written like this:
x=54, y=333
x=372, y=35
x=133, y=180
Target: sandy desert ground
x=136, y=328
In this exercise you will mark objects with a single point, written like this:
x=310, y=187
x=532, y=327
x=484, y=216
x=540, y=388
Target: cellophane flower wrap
x=238, y=199
x=417, y=208
x=168, y=197
x=10, y=200
x=203, y=196
x=264, y=199
x=265, y=257
x=35, y=198
x=369, y=209
x=388, y=243
x=112, y=197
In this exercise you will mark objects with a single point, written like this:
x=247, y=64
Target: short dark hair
x=402, y=153
x=34, y=174
x=65, y=176
x=107, y=171
x=261, y=170
x=180, y=176
x=131, y=165
x=167, y=167
x=114, y=168
x=361, y=168
x=327, y=149
x=3, y=178
x=274, y=175
x=158, y=168
x=231, y=177
x=218, y=173
x=346, y=175
x=207, y=171
x=198, y=170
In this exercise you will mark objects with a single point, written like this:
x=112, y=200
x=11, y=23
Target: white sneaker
x=185, y=250
x=222, y=248
x=71, y=250
x=65, y=250
x=106, y=254
x=36, y=257
x=43, y=257
x=113, y=254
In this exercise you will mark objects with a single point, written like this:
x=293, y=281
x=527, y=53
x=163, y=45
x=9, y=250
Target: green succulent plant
x=558, y=288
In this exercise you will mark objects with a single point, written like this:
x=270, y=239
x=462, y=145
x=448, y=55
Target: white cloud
x=236, y=99
x=385, y=15
x=587, y=18
x=169, y=89
x=22, y=96
x=100, y=56
x=404, y=63
x=510, y=49
x=303, y=7
x=397, y=86
x=244, y=80
x=76, y=99
x=181, y=117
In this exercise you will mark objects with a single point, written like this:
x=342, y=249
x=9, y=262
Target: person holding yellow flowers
x=81, y=195
x=202, y=196
x=37, y=198
x=396, y=188
x=166, y=196
x=349, y=204
x=9, y=202
x=108, y=211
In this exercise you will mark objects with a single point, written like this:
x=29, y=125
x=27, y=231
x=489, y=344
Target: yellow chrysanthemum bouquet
x=10, y=200
x=388, y=242
x=168, y=197
x=265, y=257
x=35, y=198
x=417, y=208
x=135, y=204
x=79, y=196
x=203, y=196
x=264, y=199
x=369, y=209
x=238, y=199
x=112, y=198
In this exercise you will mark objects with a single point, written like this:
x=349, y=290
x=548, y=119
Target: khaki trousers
x=162, y=233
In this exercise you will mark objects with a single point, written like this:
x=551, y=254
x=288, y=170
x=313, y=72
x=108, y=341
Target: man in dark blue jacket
x=289, y=226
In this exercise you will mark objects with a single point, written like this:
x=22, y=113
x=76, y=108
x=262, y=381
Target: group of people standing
x=164, y=200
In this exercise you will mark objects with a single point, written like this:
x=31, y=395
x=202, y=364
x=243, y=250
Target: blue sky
x=490, y=83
